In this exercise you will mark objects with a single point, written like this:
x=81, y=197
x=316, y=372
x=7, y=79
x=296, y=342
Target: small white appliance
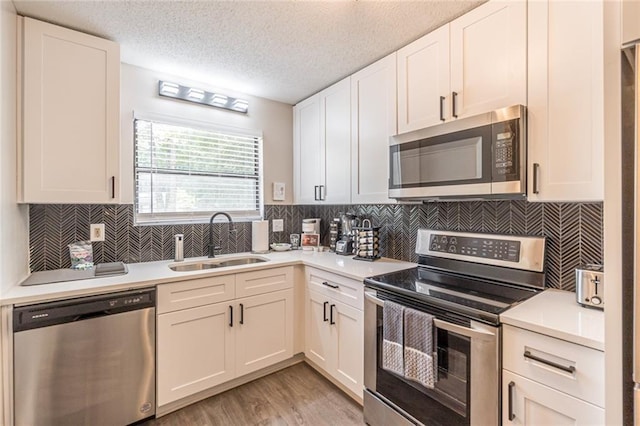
x=311, y=226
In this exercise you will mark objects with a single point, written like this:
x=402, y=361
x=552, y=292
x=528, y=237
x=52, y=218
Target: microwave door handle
x=464, y=331
x=371, y=296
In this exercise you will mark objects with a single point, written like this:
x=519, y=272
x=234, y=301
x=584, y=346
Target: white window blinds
x=184, y=174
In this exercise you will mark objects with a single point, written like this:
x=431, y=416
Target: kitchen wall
x=14, y=264
x=139, y=93
x=574, y=230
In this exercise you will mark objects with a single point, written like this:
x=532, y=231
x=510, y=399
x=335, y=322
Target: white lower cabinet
x=548, y=381
x=334, y=338
x=201, y=344
x=318, y=334
x=264, y=331
x=347, y=337
x=195, y=351
x=535, y=404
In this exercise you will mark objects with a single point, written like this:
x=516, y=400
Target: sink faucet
x=212, y=247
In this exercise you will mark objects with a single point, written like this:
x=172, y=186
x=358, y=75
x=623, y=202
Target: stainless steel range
x=432, y=334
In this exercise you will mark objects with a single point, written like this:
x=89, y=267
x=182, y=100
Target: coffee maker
x=346, y=245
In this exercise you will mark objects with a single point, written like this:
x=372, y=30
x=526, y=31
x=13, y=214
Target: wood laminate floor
x=297, y=395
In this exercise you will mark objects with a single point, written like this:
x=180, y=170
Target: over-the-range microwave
x=482, y=157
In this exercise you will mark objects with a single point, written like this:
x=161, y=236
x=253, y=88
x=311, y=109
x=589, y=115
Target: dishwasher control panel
x=84, y=308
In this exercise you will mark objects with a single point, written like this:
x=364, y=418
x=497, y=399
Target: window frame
x=184, y=218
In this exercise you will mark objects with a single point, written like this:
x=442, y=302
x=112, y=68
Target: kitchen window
x=185, y=171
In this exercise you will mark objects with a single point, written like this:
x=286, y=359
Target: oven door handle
x=464, y=331
x=371, y=296
x=454, y=328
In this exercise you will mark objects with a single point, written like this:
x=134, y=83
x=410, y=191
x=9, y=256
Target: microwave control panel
x=506, y=151
x=488, y=248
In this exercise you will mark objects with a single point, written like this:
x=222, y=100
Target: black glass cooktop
x=471, y=296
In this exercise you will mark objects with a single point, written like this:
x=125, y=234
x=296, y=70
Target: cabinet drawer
x=264, y=281
x=585, y=382
x=525, y=402
x=192, y=293
x=340, y=288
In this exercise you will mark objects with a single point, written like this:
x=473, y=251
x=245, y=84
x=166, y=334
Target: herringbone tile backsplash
x=574, y=231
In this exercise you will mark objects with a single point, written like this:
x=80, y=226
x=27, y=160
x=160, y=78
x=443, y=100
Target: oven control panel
x=487, y=248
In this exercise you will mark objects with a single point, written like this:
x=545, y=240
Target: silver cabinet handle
x=511, y=413
x=569, y=369
x=536, y=183
x=454, y=98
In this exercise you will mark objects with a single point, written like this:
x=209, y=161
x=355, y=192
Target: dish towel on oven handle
x=392, y=337
x=418, y=347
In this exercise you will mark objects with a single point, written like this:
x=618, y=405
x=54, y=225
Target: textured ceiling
x=280, y=50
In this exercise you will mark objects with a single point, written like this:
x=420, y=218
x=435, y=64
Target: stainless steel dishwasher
x=85, y=361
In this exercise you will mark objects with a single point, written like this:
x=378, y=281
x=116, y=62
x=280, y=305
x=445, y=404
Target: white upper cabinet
x=308, y=161
x=69, y=107
x=630, y=21
x=423, y=81
x=322, y=132
x=335, y=113
x=373, y=121
x=566, y=101
x=475, y=64
x=489, y=58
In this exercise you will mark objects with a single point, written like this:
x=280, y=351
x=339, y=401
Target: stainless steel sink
x=216, y=263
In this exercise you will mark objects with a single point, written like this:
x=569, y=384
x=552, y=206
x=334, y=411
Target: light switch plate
x=96, y=232
x=278, y=225
x=278, y=191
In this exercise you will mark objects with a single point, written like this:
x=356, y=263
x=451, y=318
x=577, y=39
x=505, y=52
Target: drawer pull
x=570, y=369
x=511, y=413
x=330, y=285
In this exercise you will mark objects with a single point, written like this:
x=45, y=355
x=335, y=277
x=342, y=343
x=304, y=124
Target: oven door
x=467, y=381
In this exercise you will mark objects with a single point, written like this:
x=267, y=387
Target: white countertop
x=556, y=313
x=148, y=274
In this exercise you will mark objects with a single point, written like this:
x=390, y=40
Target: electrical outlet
x=96, y=232
x=278, y=225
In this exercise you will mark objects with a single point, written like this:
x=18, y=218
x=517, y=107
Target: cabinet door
x=423, y=81
x=566, y=101
x=630, y=21
x=373, y=121
x=70, y=116
x=308, y=151
x=348, y=346
x=264, y=330
x=195, y=350
x=336, y=134
x=318, y=343
x=534, y=404
x=489, y=58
